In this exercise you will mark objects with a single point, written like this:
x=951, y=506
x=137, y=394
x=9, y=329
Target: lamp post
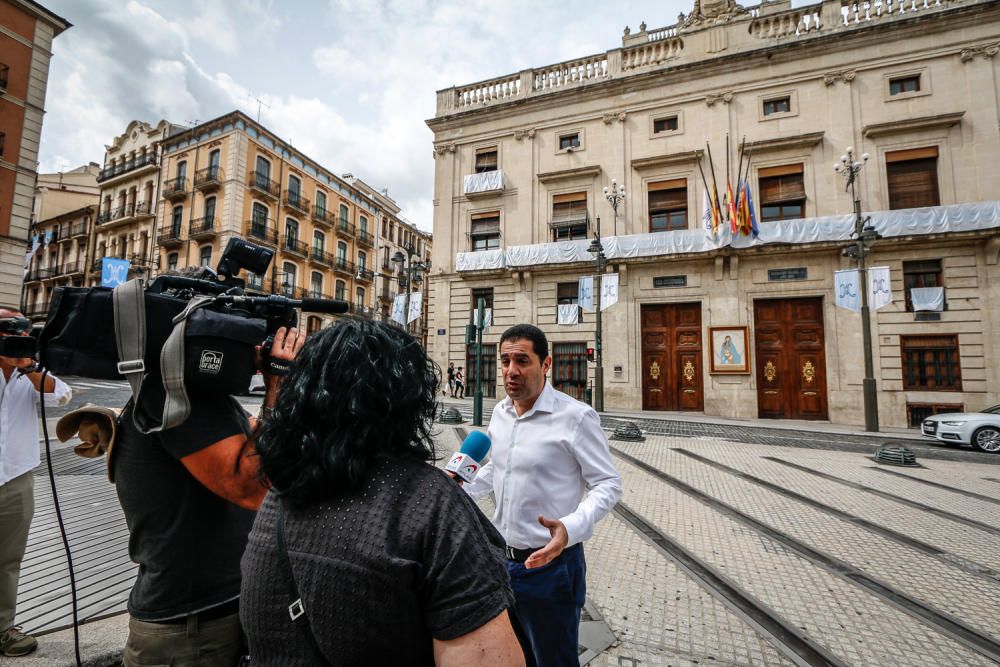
x=615, y=196
x=409, y=266
x=864, y=236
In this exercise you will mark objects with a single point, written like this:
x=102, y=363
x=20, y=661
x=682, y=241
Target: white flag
x=706, y=215
x=415, y=305
x=879, y=287
x=585, y=293
x=569, y=313
x=487, y=317
x=36, y=241
x=927, y=298
x=399, y=308
x=847, y=284
x=609, y=290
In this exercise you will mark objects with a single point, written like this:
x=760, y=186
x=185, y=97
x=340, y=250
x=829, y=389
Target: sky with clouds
x=349, y=82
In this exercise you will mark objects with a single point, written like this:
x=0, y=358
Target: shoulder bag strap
x=296, y=610
x=129, y=303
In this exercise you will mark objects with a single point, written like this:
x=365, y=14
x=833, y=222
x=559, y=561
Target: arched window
x=319, y=243
x=341, y=252
x=175, y=220
x=316, y=285
x=320, y=203
x=359, y=296
x=259, y=216
x=362, y=261
x=205, y=256
x=213, y=164
x=294, y=186
x=209, y=211
x=339, y=293
x=291, y=232
x=363, y=225
x=263, y=173
x=182, y=170
x=289, y=278
x=343, y=215
x=172, y=261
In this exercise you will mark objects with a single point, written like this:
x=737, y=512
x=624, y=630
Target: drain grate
x=628, y=432
x=895, y=455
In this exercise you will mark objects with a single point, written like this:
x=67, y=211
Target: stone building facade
x=521, y=162
x=26, y=33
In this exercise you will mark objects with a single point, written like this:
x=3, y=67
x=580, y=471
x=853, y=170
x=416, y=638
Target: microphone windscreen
x=476, y=445
x=331, y=306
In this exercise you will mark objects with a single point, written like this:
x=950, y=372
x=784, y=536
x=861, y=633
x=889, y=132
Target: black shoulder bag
x=296, y=610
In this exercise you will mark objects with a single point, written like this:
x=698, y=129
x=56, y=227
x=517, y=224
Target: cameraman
x=20, y=385
x=190, y=495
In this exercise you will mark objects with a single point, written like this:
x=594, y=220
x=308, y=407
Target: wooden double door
x=672, y=377
x=791, y=358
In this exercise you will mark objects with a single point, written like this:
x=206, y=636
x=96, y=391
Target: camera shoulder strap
x=130, y=332
x=176, y=405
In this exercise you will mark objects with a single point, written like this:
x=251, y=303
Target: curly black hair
x=359, y=392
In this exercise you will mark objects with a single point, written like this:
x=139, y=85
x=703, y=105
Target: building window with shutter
x=569, y=294
x=485, y=231
x=777, y=105
x=922, y=273
x=486, y=294
x=667, y=202
x=569, y=216
x=666, y=124
x=486, y=160
x=931, y=363
x=569, y=141
x=904, y=84
x=782, y=193
x=912, y=178
x=569, y=368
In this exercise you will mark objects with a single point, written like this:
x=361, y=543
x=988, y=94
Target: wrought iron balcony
x=322, y=215
x=344, y=265
x=175, y=188
x=125, y=166
x=345, y=227
x=319, y=256
x=203, y=228
x=262, y=183
x=70, y=268
x=79, y=229
x=295, y=247
x=259, y=232
x=365, y=275
x=209, y=178
x=292, y=292
x=363, y=311
x=295, y=201
x=170, y=237
x=103, y=217
x=364, y=238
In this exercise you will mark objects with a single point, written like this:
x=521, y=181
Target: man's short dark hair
x=539, y=343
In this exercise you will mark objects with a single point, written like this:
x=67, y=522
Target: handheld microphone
x=464, y=464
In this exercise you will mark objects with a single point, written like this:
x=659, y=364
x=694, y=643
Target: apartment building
x=522, y=161
x=232, y=177
x=26, y=33
x=129, y=199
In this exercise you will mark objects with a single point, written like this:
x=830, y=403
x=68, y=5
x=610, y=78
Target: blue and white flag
x=416, y=303
x=846, y=285
x=568, y=313
x=585, y=293
x=399, y=309
x=879, y=287
x=609, y=290
x=114, y=272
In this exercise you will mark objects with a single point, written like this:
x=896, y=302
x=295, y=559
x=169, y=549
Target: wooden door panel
x=653, y=396
x=689, y=389
x=791, y=358
x=671, y=338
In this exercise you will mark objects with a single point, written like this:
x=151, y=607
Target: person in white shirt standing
x=20, y=386
x=551, y=472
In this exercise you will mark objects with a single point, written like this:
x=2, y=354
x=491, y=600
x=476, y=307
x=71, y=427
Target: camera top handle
x=163, y=283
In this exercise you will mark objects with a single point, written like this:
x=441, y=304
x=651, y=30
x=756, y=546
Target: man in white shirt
x=551, y=472
x=20, y=385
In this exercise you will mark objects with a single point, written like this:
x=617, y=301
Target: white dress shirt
x=19, y=422
x=551, y=461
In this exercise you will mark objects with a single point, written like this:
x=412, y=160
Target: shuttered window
x=922, y=273
x=489, y=362
x=569, y=216
x=912, y=177
x=485, y=231
x=931, y=363
x=667, y=205
x=569, y=368
x=486, y=160
x=782, y=193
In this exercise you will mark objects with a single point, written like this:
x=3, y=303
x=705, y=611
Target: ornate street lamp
x=409, y=266
x=864, y=236
x=615, y=196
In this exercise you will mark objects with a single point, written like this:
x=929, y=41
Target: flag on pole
x=708, y=220
x=879, y=287
x=585, y=293
x=609, y=290
x=731, y=207
x=36, y=241
x=716, y=209
x=415, y=306
x=847, y=285
x=399, y=309
x=751, y=214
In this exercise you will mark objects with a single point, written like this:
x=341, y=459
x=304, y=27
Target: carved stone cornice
x=609, y=118
x=939, y=121
x=844, y=75
x=566, y=174
x=521, y=134
x=807, y=140
x=441, y=149
x=986, y=51
x=664, y=160
x=712, y=98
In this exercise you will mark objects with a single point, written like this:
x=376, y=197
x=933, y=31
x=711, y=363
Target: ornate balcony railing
x=294, y=246
x=125, y=166
x=209, y=178
x=79, y=229
x=262, y=183
x=295, y=200
x=366, y=239
x=170, y=236
x=322, y=215
x=103, y=217
x=259, y=231
x=345, y=227
x=203, y=227
x=175, y=188
x=344, y=265
x=366, y=275
x=320, y=256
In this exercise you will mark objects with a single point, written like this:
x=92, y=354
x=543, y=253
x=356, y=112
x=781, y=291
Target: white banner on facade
x=569, y=313
x=36, y=241
x=399, y=309
x=609, y=290
x=927, y=298
x=879, y=287
x=585, y=293
x=847, y=284
x=415, y=306
x=487, y=316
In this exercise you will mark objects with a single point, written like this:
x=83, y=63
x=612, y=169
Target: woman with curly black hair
x=363, y=553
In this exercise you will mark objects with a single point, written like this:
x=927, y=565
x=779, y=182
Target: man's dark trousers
x=548, y=601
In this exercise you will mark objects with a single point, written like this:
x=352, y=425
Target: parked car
x=257, y=383
x=979, y=429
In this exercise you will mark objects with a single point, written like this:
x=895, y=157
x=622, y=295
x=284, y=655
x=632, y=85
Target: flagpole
x=715, y=182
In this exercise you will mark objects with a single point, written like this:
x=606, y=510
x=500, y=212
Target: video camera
x=213, y=327
x=14, y=343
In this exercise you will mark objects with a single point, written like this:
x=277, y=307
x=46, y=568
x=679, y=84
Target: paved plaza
x=734, y=544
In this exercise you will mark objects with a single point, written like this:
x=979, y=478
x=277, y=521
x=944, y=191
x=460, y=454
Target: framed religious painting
x=730, y=348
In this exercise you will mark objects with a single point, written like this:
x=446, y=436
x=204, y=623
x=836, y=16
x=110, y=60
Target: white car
x=979, y=429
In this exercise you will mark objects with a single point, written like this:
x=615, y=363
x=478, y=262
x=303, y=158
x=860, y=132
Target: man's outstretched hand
x=555, y=546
